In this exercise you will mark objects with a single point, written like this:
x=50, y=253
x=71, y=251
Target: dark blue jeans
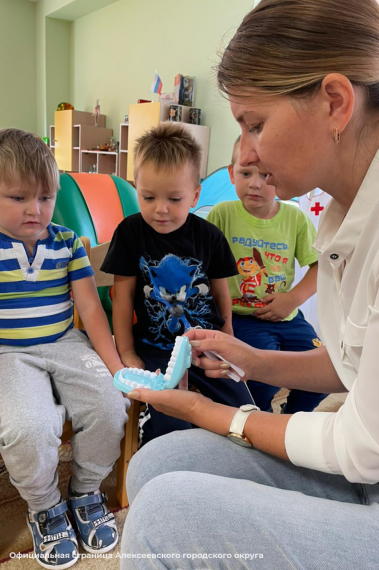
x=153, y=424
x=297, y=336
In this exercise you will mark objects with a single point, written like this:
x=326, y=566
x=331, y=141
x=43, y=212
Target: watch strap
x=239, y=420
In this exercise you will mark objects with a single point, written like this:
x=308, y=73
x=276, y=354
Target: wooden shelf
x=52, y=138
x=123, y=150
x=99, y=152
x=106, y=162
x=148, y=115
x=75, y=160
x=73, y=132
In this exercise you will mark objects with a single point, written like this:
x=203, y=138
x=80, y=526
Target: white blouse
x=347, y=442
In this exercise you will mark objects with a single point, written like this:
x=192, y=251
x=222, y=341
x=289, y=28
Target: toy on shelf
x=175, y=113
x=194, y=116
x=65, y=107
x=96, y=113
x=107, y=147
x=128, y=379
x=187, y=91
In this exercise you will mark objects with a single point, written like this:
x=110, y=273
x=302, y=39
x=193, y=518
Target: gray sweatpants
x=200, y=501
x=40, y=387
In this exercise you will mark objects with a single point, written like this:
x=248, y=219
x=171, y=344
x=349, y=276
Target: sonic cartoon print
x=173, y=300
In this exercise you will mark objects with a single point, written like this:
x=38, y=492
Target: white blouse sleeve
x=345, y=442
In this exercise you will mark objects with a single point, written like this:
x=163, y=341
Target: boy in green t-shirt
x=265, y=237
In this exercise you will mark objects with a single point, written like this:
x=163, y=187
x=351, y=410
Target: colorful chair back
x=93, y=205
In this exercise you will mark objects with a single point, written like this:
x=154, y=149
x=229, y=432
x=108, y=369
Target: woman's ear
x=338, y=93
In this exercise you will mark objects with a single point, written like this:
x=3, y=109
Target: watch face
x=239, y=439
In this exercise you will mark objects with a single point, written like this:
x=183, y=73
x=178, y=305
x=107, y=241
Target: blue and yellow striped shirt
x=35, y=293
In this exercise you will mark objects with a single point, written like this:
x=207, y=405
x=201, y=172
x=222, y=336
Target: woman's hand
x=180, y=404
x=188, y=406
x=230, y=348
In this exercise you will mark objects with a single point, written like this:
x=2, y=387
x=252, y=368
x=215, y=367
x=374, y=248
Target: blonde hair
x=287, y=47
x=235, y=150
x=25, y=156
x=169, y=145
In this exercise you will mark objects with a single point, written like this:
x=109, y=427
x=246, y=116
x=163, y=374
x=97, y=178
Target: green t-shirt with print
x=264, y=250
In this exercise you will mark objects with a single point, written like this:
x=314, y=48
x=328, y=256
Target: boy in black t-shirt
x=170, y=267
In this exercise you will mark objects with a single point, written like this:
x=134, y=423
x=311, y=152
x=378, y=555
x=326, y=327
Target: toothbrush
x=213, y=355
x=129, y=379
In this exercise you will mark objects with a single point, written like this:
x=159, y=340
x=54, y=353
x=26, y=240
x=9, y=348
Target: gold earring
x=336, y=136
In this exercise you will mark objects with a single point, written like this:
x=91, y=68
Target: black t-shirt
x=173, y=272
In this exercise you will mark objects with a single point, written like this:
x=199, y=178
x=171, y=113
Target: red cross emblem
x=317, y=208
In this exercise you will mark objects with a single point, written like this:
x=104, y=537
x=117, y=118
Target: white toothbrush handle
x=213, y=355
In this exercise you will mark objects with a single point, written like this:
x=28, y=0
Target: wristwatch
x=238, y=423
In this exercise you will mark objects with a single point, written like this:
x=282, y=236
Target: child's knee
x=111, y=412
x=30, y=433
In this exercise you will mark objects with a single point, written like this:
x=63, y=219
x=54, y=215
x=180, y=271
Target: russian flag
x=156, y=86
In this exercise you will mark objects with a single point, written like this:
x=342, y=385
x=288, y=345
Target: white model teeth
x=128, y=375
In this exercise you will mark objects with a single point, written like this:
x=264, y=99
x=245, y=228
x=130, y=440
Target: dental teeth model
x=129, y=379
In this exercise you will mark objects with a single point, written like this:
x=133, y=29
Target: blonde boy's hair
x=235, y=150
x=168, y=146
x=26, y=157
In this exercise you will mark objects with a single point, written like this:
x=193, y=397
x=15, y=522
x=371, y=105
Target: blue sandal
x=55, y=544
x=95, y=523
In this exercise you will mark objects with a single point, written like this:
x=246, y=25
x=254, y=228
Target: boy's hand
x=227, y=329
x=278, y=307
x=131, y=360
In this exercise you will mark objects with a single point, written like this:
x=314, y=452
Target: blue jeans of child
x=297, y=336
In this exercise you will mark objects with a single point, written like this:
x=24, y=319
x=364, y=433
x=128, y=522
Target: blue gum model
x=129, y=379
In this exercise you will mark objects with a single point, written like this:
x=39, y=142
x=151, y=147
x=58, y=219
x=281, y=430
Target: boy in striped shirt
x=48, y=370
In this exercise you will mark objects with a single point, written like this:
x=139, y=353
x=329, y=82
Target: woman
x=302, y=78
